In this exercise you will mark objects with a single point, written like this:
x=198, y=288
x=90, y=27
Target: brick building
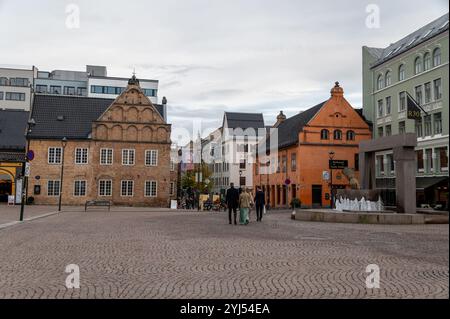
x=297, y=163
x=117, y=150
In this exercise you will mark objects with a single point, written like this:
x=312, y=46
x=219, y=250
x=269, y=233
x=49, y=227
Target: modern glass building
x=416, y=65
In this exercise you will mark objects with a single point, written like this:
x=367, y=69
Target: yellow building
x=12, y=150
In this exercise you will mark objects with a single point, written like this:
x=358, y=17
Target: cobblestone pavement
x=138, y=254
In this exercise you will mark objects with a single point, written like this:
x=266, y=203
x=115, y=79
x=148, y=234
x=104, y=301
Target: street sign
x=287, y=181
x=30, y=155
x=338, y=164
x=27, y=169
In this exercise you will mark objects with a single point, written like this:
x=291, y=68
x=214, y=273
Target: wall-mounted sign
x=27, y=169
x=287, y=181
x=326, y=175
x=30, y=155
x=338, y=164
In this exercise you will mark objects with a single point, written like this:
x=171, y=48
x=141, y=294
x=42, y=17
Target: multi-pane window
x=388, y=105
x=128, y=157
x=293, y=162
x=380, y=108
x=105, y=187
x=126, y=188
x=437, y=123
x=401, y=127
x=429, y=157
x=380, y=162
x=436, y=57
x=388, y=130
x=350, y=135
x=79, y=188
x=55, y=89
x=380, y=82
x=151, y=157
x=390, y=160
x=418, y=91
x=324, y=134
x=419, y=154
x=106, y=156
x=172, y=165
x=242, y=181
x=151, y=189
x=380, y=131
x=427, y=87
x=81, y=156
x=401, y=72
x=427, y=125
x=417, y=65
x=18, y=81
x=388, y=78
x=443, y=158
x=1, y=95
x=54, y=155
x=402, y=98
x=418, y=127
x=242, y=164
x=437, y=89
x=337, y=134
x=40, y=88
x=426, y=61
x=53, y=188
x=284, y=163
x=13, y=96
x=69, y=90
x=81, y=91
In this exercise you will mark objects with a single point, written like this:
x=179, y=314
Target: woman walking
x=245, y=203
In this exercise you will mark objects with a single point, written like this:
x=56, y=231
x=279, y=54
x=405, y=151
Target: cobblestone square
x=137, y=253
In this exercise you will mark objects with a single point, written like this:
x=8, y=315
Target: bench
x=97, y=203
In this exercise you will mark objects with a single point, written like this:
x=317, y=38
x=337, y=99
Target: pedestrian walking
x=260, y=201
x=245, y=203
x=232, y=202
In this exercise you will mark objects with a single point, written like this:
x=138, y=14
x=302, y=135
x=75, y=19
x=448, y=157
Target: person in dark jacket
x=232, y=201
x=260, y=201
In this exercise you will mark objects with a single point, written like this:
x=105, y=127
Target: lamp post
x=24, y=189
x=331, y=155
x=63, y=144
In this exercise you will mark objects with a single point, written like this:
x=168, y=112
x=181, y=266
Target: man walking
x=245, y=203
x=260, y=201
x=232, y=201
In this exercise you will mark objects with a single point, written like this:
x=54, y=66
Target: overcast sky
x=210, y=56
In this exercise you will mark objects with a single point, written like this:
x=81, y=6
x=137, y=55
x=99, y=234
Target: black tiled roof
x=289, y=129
x=13, y=124
x=421, y=35
x=244, y=120
x=68, y=116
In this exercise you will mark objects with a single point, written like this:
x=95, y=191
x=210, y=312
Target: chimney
x=280, y=119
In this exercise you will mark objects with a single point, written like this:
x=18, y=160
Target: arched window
x=380, y=82
x=324, y=134
x=426, y=61
x=337, y=135
x=388, y=80
x=417, y=65
x=401, y=72
x=350, y=135
x=437, y=57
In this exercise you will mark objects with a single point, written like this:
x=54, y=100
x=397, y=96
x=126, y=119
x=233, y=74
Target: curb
x=5, y=225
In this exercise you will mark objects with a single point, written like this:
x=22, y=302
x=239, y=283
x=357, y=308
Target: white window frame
x=75, y=187
x=81, y=149
x=128, y=151
x=54, y=159
x=99, y=187
x=53, y=187
x=153, y=158
x=126, y=194
x=112, y=156
x=150, y=185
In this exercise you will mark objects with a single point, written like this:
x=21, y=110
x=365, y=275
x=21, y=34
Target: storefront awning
x=427, y=182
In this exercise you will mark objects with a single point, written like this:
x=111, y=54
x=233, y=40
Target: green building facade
x=417, y=65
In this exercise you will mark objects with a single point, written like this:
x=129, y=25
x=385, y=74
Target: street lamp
x=31, y=122
x=331, y=155
x=63, y=144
